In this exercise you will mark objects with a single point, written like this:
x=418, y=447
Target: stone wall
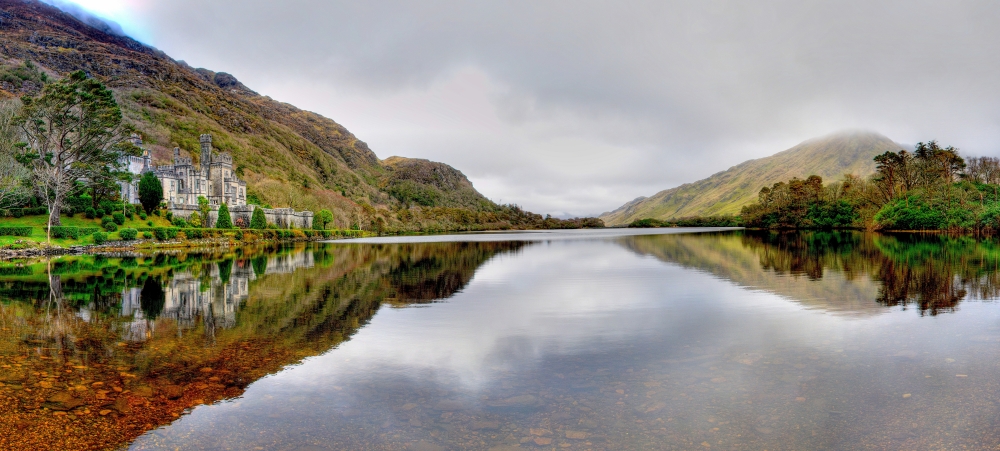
x=284, y=218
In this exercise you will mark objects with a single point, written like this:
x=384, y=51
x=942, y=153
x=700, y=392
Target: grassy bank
x=154, y=231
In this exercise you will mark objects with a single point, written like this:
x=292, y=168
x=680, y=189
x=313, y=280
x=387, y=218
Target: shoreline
x=144, y=244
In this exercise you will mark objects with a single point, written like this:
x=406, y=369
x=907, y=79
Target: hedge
x=15, y=271
x=100, y=237
x=15, y=231
x=167, y=233
x=19, y=212
x=65, y=232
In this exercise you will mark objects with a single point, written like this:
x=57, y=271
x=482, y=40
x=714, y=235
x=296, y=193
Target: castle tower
x=146, y=161
x=206, y=152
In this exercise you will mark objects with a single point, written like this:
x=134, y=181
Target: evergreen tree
x=74, y=131
x=257, y=219
x=224, y=221
x=150, y=192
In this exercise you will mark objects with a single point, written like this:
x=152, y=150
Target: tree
x=224, y=221
x=204, y=208
x=150, y=192
x=15, y=188
x=73, y=131
x=257, y=219
x=321, y=219
x=943, y=163
x=195, y=220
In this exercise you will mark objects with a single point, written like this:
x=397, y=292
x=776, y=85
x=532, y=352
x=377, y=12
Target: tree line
x=931, y=188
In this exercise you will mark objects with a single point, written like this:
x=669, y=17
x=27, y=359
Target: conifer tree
x=150, y=192
x=257, y=219
x=224, y=221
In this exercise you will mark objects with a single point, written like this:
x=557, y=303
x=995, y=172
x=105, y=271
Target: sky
x=574, y=107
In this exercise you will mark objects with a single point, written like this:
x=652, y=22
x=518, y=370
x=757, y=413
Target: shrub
x=161, y=233
x=142, y=216
x=180, y=222
x=147, y=235
x=119, y=218
x=17, y=212
x=257, y=219
x=239, y=235
x=170, y=216
x=100, y=237
x=84, y=231
x=150, y=192
x=64, y=232
x=99, y=213
x=195, y=219
x=224, y=221
x=110, y=226
x=194, y=233
x=15, y=231
x=149, y=223
x=129, y=234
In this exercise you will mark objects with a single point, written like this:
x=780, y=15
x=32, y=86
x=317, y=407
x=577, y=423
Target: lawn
x=39, y=222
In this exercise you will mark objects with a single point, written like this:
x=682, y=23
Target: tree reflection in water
x=94, y=351
x=930, y=272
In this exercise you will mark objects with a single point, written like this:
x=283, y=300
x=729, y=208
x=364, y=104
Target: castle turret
x=206, y=152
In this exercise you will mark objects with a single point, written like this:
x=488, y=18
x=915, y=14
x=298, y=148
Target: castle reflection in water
x=210, y=299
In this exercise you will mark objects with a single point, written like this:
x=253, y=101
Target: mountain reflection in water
x=96, y=350
x=581, y=343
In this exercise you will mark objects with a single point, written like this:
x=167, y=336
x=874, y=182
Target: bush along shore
x=931, y=189
x=78, y=240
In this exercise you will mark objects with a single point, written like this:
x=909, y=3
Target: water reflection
x=676, y=341
x=96, y=350
x=843, y=271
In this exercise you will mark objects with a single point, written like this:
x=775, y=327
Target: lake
x=600, y=340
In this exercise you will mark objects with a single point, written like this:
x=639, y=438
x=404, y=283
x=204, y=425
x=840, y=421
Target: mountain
x=726, y=192
x=289, y=157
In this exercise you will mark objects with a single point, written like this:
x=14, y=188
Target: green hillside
x=726, y=192
x=288, y=157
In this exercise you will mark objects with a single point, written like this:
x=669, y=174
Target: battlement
x=224, y=157
x=205, y=139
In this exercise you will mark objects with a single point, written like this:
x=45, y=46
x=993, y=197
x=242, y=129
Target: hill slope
x=726, y=192
x=289, y=157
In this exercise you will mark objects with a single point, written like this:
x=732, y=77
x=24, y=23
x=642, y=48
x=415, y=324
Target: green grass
x=38, y=224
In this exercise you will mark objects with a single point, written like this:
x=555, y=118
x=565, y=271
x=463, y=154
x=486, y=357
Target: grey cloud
x=678, y=90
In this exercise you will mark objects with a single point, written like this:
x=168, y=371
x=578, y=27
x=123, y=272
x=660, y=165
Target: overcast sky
x=575, y=107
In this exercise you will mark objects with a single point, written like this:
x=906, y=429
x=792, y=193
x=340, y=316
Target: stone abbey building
x=183, y=182
x=213, y=178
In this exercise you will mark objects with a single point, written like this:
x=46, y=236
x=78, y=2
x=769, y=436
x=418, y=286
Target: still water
x=603, y=340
